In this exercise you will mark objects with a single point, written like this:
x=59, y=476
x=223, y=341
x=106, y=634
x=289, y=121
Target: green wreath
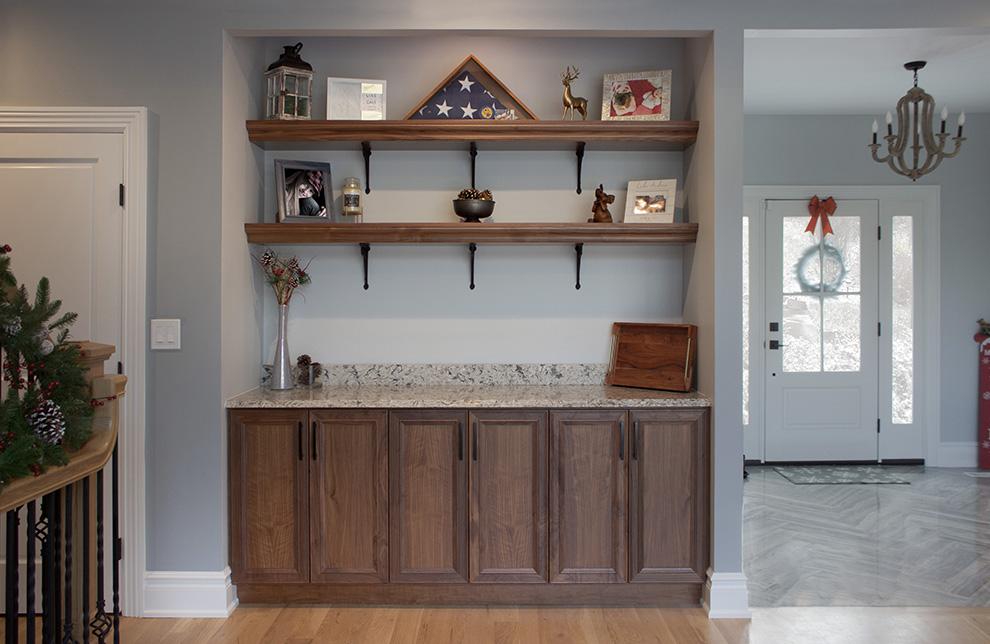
x=47, y=408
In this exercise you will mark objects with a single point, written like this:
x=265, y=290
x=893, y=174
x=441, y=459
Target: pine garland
x=47, y=409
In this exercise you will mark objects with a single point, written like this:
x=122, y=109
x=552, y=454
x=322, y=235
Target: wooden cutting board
x=652, y=356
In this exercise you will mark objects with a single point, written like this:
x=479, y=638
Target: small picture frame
x=650, y=202
x=305, y=193
x=355, y=99
x=636, y=96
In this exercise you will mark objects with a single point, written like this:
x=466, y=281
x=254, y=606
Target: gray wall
x=170, y=58
x=777, y=153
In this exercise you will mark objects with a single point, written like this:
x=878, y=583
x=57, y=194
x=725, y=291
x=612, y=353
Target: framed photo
x=305, y=193
x=355, y=99
x=650, y=202
x=636, y=96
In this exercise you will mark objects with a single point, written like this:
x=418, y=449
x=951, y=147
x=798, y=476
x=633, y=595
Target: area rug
x=839, y=474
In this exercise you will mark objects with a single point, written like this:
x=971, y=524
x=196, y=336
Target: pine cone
x=48, y=422
x=304, y=360
x=268, y=258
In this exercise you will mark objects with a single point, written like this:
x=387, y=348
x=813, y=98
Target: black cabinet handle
x=460, y=441
x=474, y=442
x=314, y=440
x=622, y=440
x=300, y=441
x=636, y=440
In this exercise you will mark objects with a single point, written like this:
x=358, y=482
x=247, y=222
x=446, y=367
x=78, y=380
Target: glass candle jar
x=352, y=209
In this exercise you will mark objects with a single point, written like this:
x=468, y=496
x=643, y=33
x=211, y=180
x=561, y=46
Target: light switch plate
x=165, y=334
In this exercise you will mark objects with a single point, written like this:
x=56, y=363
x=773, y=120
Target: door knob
x=775, y=345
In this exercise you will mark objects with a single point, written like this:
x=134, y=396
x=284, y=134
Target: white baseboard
x=957, y=455
x=188, y=594
x=725, y=595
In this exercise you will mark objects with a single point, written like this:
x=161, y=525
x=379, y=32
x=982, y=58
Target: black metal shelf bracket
x=580, y=160
x=474, y=158
x=579, y=249
x=366, y=150
x=472, y=248
x=365, y=249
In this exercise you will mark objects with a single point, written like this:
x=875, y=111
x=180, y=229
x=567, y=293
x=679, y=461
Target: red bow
x=820, y=209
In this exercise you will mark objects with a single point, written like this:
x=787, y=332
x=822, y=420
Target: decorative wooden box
x=652, y=356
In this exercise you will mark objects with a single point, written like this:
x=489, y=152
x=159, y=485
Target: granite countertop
x=454, y=396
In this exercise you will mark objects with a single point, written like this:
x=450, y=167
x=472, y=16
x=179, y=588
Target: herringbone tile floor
x=922, y=544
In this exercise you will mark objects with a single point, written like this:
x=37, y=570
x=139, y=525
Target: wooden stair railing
x=70, y=528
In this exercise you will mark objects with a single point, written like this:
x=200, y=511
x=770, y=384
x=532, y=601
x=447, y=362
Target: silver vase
x=281, y=365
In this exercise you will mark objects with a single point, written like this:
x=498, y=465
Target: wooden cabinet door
x=508, y=496
x=348, y=496
x=269, y=500
x=428, y=496
x=668, y=495
x=588, y=464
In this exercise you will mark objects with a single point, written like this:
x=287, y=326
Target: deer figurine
x=571, y=101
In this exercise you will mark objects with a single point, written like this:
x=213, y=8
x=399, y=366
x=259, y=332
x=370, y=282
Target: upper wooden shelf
x=461, y=232
x=663, y=135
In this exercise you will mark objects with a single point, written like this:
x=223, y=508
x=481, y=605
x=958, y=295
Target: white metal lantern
x=289, y=86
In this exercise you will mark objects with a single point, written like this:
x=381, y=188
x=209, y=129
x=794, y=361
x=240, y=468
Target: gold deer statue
x=571, y=101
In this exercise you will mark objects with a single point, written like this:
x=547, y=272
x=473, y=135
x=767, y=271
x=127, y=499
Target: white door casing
x=917, y=437
x=86, y=154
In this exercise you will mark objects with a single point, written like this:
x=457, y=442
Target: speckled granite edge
x=467, y=396
x=411, y=375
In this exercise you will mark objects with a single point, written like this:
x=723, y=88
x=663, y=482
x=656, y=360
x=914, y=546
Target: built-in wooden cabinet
x=668, y=495
x=308, y=496
x=348, y=513
x=507, y=505
x=588, y=496
x=508, y=496
x=428, y=522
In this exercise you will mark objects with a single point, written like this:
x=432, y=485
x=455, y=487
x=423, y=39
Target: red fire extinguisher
x=983, y=337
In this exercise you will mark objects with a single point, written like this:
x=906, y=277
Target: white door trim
x=927, y=274
x=132, y=124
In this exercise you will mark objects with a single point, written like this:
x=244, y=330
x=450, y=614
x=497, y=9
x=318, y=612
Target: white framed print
x=355, y=99
x=650, y=202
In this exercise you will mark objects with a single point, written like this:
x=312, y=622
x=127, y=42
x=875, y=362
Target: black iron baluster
x=45, y=535
x=56, y=539
x=29, y=553
x=67, y=637
x=11, y=581
x=117, y=545
x=85, y=558
x=100, y=623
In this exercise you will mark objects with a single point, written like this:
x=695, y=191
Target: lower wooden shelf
x=460, y=232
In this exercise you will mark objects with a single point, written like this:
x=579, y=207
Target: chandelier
x=914, y=151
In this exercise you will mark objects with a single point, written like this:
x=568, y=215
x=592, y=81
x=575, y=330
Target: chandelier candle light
x=915, y=116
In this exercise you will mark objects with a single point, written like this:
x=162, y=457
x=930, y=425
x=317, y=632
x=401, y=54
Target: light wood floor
x=483, y=625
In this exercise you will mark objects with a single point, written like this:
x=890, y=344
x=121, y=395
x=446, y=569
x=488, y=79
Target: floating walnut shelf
x=459, y=232
x=656, y=135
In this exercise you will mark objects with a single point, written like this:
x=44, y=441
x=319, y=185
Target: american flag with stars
x=462, y=98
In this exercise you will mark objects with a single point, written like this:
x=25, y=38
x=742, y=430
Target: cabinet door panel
x=669, y=496
x=268, y=496
x=508, y=540
x=428, y=519
x=588, y=496
x=349, y=496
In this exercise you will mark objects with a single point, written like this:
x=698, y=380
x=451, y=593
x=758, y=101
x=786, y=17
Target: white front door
x=822, y=347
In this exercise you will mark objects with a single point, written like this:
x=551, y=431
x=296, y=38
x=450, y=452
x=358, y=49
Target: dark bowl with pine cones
x=474, y=205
